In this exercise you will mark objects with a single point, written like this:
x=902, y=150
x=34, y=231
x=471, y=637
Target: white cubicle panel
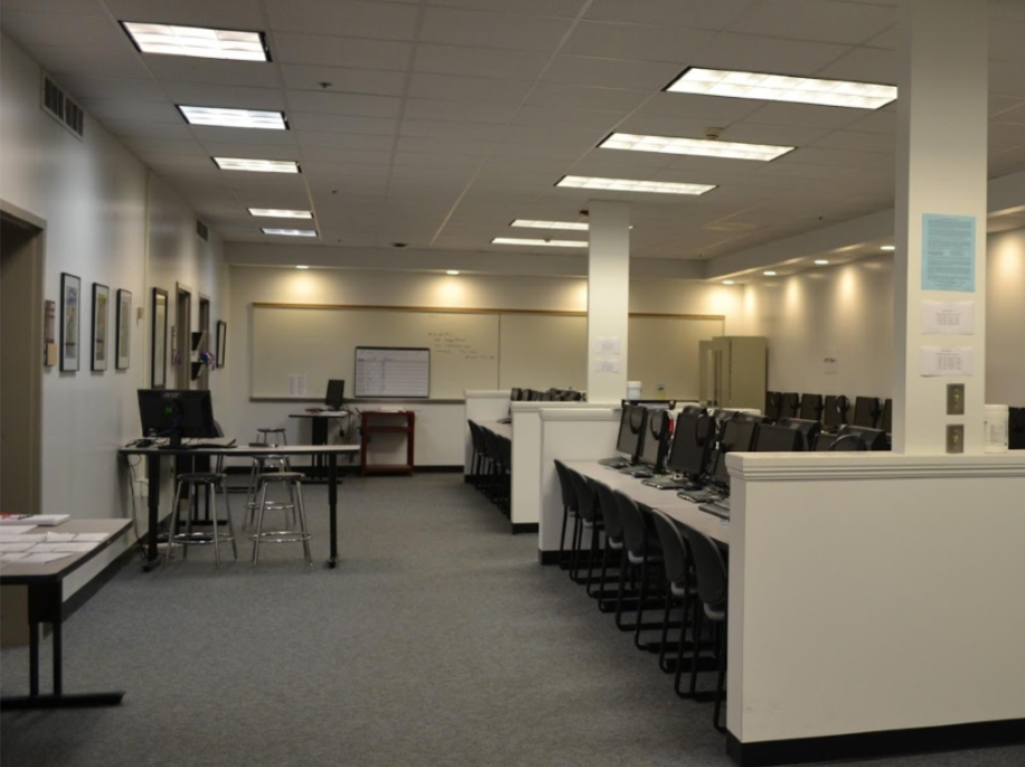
x=481, y=405
x=873, y=592
x=584, y=434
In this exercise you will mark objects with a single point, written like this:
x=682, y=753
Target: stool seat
x=201, y=476
x=281, y=476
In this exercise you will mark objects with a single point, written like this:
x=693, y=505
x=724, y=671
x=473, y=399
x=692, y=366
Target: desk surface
x=500, y=429
x=321, y=414
x=242, y=450
x=666, y=501
x=16, y=574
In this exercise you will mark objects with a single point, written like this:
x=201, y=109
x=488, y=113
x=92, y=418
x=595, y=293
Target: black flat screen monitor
x=835, y=412
x=738, y=435
x=335, y=395
x=811, y=408
x=632, y=422
x=657, y=439
x=875, y=439
x=1015, y=428
x=177, y=414
x=691, y=443
x=866, y=409
x=808, y=429
x=778, y=439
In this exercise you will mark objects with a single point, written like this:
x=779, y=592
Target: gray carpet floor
x=438, y=641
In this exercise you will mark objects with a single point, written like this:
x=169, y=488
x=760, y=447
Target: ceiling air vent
x=201, y=230
x=59, y=105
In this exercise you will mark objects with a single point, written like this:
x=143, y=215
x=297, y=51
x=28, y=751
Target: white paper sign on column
x=607, y=345
x=297, y=385
x=949, y=318
x=936, y=361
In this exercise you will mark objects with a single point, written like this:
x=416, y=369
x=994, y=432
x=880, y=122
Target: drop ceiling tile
x=427, y=159
x=1006, y=79
x=343, y=104
x=34, y=30
x=636, y=42
x=564, y=152
x=595, y=119
x=493, y=30
x=317, y=154
x=870, y=65
x=328, y=51
x=453, y=130
x=1013, y=115
x=202, y=95
x=244, y=136
x=117, y=63
x=857, y=141
x=662, y=125
x=114, y=109
x=354, y=18
x=887, y=40
x=79, y=7
x=547, y=94
x=610, y=73
x=254, y=151
x=158, y=146
x=767, y=54
x=712, y=109
x=458, y=111
x=875, y=122
x=241, y=74
x=816, y=20
x=564, y=8
x=481, y=62
x=82, y=87
x=345, y=141
x=226, y=14
x=696, y=14
x=444, y=87
x=999, y=104
x=343, y=80
x=1006, y=134
x=606, y=163
x=367, y=126
x=446, y=146
x=585, y=137
x=1005, y=42
x=142, y=128
x=779, y=135
x=805, y=115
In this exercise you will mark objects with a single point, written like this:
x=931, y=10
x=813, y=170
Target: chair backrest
x=610, y=510
x=773, y=399
x=566, y=489
x=675, y=552
x=710, y=569
x=634, y=533
x=789, y=405
x=477, y=438
x=587, y=505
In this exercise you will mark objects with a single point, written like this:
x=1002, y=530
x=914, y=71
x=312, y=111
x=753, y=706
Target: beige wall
x=1005, y=311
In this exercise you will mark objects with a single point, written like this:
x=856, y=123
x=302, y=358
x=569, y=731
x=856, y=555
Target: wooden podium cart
x=387, y=422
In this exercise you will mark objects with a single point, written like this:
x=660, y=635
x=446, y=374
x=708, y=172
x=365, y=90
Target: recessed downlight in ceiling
x=201, y=42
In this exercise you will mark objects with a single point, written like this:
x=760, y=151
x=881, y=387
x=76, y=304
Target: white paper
x=608, y=345
x=27, y=538
x=45, y=547
x=831, y=360
x=949, y=318
x=75, y=548
x=59, y=537
x=12, y=557
x=41, y=558
x=98, y=537
x=297, y=385
x=9, y=530
x=936, y=361
x=606, y=366
x=7, y=548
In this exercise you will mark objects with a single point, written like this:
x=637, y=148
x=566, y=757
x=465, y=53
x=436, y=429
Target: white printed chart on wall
x=393, y=372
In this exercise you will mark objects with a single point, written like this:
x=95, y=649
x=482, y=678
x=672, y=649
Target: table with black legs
x=154, y=454
x=320, y=421
x=45, y=585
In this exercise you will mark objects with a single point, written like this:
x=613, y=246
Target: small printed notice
x=608, y=345
x=297, y=385
x=949, y=318
x=936, y=361
x=606, y=366
x=831, y=361
x=949, y=253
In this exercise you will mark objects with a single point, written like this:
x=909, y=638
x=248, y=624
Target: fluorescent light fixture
x=631, y=185
x=769, y=87
x=234, y=118
x=770, y=273
x=279, y=213
x=202, y=42
x=577, y=226
x=535, y=243
x=290, y=232
x=887, y=247
x=693, y=146
x=728, y=282
x=821, y=262
x=303, y=267
x=453, y=272
x=260, y=166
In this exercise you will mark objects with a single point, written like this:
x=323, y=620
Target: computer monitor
x=335, y=395
x=1015, y=428
x=835, y=412
x=632, y=421
x=656, y=441
x=692, y=438
x=789, y=405
x=778, y=439
x=866, y=411
x=875, y=439
x=738, y=435
x=885, y=417
x=176, y=414
x=811, y=408
x=808, y=429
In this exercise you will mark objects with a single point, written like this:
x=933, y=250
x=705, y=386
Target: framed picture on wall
x=49, y=333
x=222, y=340
x=71, y=308
x=100, y=326
x=123, y=358
x=158, y=370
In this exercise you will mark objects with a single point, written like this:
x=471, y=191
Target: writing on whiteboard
x=453, y=344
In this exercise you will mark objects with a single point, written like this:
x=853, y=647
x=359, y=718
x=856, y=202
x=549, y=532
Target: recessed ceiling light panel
x=234, y=118
x=279, y=213
x=887, y=247
x=821, y=262
x=201, y=42
x=259, y=166
x=577, y=226
x=769, y=273
x=632, y=185
x=768, y=87
x=693, y=146
x=535, y=243
x=290, y=232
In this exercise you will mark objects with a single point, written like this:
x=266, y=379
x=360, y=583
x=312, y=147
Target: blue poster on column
x=949, y=253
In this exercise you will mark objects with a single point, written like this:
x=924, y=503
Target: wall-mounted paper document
x=942, y=318
x=936, y=361
x=831, y=361
x=606, y=366
x=608, y=345
x=949, y=253
x=297, y=385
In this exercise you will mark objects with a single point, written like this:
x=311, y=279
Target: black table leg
x=333, y=506
x=153, y=502
x=33, y=658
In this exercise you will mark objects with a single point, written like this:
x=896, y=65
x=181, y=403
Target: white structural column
x=941, y=190
x=608, y=298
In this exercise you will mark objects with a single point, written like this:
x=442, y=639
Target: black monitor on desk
x=778, y=439
x=692, y=439
x=335, y=395
x=633, y=420
x=656, y=440
x=177, y=413
x=874, y=439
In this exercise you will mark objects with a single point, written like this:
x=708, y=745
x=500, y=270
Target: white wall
x=98, y=202
x=850, y=307
x=440, y=431
x=1005, y=312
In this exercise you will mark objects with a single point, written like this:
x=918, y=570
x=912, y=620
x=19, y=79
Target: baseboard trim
x=548, y=557
x=102, y=578
x=523, y=527
x=875, y=745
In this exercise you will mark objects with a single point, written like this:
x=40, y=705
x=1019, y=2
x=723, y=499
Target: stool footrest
x=281, y=536
x=199, y=539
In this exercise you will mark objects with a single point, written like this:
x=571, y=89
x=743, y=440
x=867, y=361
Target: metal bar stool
x=264, y=464
x=211, y=482
x=293, y=484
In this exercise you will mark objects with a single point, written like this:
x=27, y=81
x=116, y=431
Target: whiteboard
x=541, y=351
x=392, y=372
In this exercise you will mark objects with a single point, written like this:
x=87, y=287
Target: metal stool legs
x=293, y=485
x=211, y=483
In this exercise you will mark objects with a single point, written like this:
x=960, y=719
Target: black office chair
x=641, y=547
x=835, y=412
x=569, y=497
x=613, y=546
x=591, y=523
x=789, y=405
x=1015, y=428
x=680, y=586
x=773, y=402
x=884, y=424
x=811, y=407
x=479, y=454
x=867, y=411
x=711, y=577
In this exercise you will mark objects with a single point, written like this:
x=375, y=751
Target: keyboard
x=665, y=483
x=719, y=509
x=615, y=463
x=505, y=420
x=641, y=473
x=698, y=496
